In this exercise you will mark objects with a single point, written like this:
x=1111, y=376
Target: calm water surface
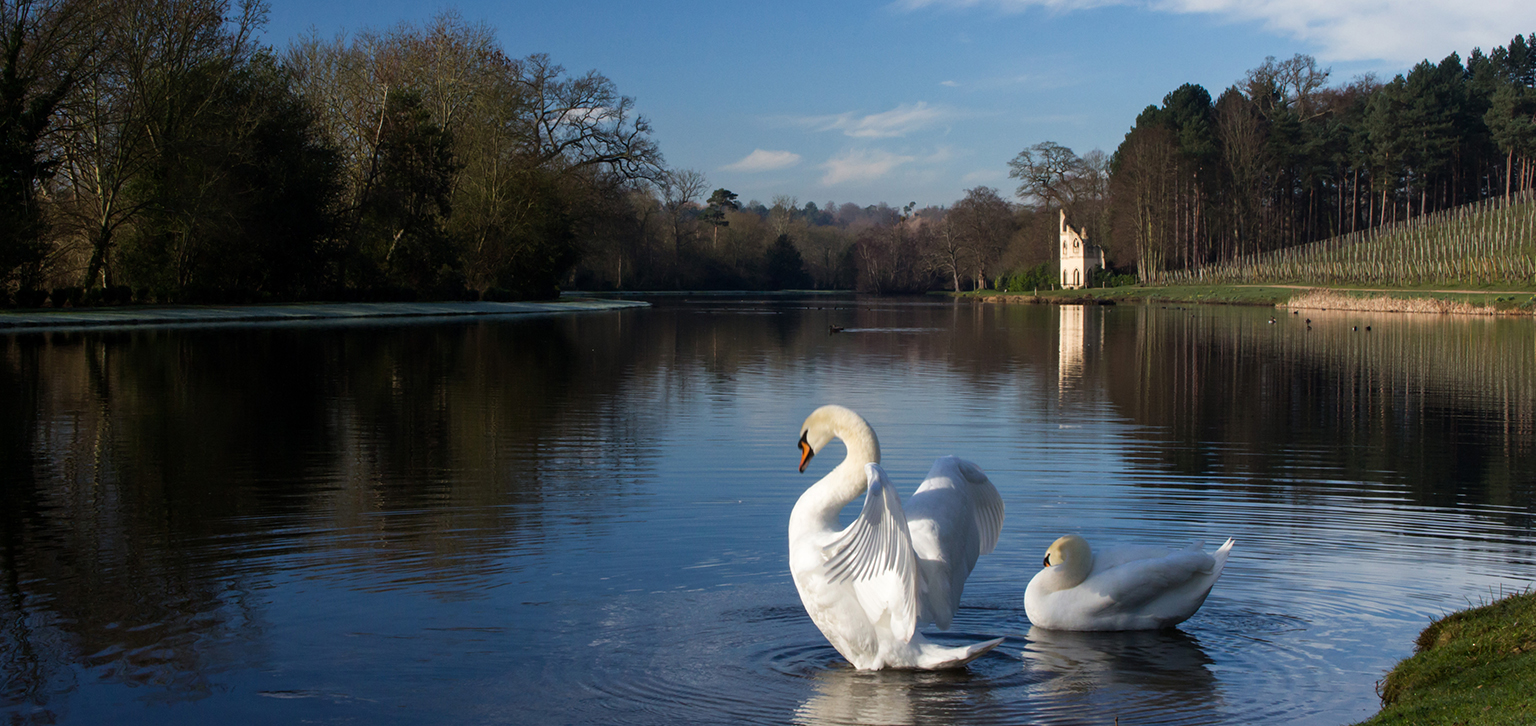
x=581, y=519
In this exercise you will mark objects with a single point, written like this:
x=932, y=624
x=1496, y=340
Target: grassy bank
x=1220, y=294
x=1475, y=666
x=1483, y=302
x=1504, y=303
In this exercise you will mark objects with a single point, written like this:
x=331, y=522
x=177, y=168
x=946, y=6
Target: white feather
x=954, y=517
x=1121, y=588
x=874, y=554
x=867, y=585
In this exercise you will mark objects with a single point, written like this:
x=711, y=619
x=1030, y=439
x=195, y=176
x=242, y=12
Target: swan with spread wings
x=869, y=585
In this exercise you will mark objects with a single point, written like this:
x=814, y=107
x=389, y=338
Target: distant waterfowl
x=869, y=585
x=1120, y=588
x=834, y=329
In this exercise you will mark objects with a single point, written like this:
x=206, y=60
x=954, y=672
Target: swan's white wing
x=874, y=554
x=986, y=503
x=955, y=517
x=1137, y=582
x=1114, y=556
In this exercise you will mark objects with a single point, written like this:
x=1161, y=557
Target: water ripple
x=768, y=665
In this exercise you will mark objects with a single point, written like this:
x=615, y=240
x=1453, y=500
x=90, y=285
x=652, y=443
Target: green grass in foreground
x=1475, y=666
x=1512, y=300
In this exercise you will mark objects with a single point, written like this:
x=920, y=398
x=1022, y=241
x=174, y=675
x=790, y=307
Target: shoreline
x=1469, y=666
x=1454, y=302
x=14, y=321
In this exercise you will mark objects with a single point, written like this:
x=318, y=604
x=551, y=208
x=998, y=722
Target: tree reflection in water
x=151, y=477
x=1440, y=407
x=181, y=507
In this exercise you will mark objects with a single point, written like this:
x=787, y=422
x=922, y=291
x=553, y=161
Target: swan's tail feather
x=1221, y=553
x=945, y=658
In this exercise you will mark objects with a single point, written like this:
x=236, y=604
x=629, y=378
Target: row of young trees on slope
x=156, y=146
x=1283, y=158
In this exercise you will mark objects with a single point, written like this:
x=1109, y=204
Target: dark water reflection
x=581, y=519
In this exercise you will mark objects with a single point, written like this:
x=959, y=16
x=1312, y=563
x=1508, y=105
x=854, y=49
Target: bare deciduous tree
x=162, y=65
x=46, y=48
x=1051, y=174
x=679, y=188
x=1291, y=84
x=583, y=121
x=1143, y=184
x=983, y=221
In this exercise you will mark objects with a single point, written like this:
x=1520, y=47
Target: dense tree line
x=676, y=239
x=153, y=149
x=670, y=236
x=1282, y=158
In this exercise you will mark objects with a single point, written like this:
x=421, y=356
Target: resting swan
x=868, y=586
x=1120, y=588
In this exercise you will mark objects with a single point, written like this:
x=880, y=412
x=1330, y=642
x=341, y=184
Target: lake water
x=582, y=519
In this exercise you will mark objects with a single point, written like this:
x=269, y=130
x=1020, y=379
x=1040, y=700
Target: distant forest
x=154, y=151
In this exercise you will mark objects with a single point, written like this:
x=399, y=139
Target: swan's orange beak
x=1047, y=559
x=805, y=453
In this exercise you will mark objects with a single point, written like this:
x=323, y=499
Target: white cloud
x=1396, y=30
x=899, y=121
x=1401, y=31
x=940, y=155
x=981, y=176
x=861, y=165
x=949, y=84
x=763, y=160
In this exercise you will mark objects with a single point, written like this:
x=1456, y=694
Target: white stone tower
x=1078, y=258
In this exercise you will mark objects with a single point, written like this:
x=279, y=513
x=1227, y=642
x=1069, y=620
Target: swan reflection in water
x=1066, y=677
x=1162, y=666
x=844, y=695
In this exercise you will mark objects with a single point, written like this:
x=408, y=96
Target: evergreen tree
x=784, y=266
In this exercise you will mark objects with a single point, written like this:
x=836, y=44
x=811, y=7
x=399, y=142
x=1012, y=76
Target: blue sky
x=919, y=100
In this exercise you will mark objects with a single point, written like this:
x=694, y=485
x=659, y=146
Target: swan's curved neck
x=821, y=503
